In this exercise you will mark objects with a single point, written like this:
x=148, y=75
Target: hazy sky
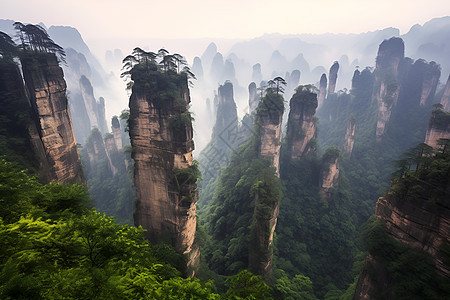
x=222, y=18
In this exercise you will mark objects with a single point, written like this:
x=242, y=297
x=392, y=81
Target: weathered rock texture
x=350, y=135
x=330, y=172
x=322, y=89
x=333, y=77
x=445, y=101
x=425, y=226
x=226, y=126
x=438, y=127
x=95, y=151
x=252, y=97
x=46, y=87
x=387, y=87
x=416, y=213
x=161, y=147
x=19, y=135
x=116, y=131
x=269, y=119
x=429, y=82
x=301, y=128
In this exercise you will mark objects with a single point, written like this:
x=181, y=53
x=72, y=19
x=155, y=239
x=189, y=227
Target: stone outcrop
x=116, y=131
x=19, y=134
x=46, y=87
x=269, y=119
x=413, y=223
x=161, y=138
x=350, y=135
x=425, y=226
x=197, y=68
x=95, y=151
x=445, y=101
x=333, y=78
x=256, y=73
x=301, y=128
x=94, y=108
x=268, y=122
x=226, y=126
x=429, y=82
x=253, y=97
x=387, y=86
x=111, y=149
x=330, y=172
x=322, y=89
x=438, y=128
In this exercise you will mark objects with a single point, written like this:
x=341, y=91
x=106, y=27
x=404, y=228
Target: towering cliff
x=409, y=240
x=330, y=171
x=244, y=207
x=46, y=87
x=333, y=77
x=95, y=109
x=116, y=131
x=438, y=127
x=350, y=135
x=301, y=128
x=19, y=135
x=322, y=89
x=256, y=73
x=165, y=175
x=252, y=97
x=431, y=76
x=387, y=86
x=445, y=101
x=268, y=119
x=95, y=151
x=226, y=127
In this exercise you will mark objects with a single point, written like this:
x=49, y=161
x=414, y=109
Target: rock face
x=429, y=82
x=269, y=119
x=445, y=101
x=330, y=172
x=424, y=226
x=226, y=126
x=301, y=128
x=333, y=77
x=418, y=223
x=161, y=138
x=350, y=135
x=386, y=87
x=115, y=128
x=95, y=150
x=322, y=89
x=438, y=127
x=252, y=97
x=256, y=73
x=47, y=91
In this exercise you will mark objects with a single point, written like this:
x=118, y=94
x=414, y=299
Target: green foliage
x=315, y=237
x=245, y=285
x=52, y=248
x=412, y=273
x=230, y=215
x=298, y=287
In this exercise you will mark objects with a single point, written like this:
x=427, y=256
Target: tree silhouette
x=8, y=48
x=35, y=38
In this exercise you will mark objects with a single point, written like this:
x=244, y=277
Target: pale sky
x=222, y=18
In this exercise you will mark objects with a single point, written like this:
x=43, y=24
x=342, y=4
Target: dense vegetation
x=412, y=272
x=54, y=246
